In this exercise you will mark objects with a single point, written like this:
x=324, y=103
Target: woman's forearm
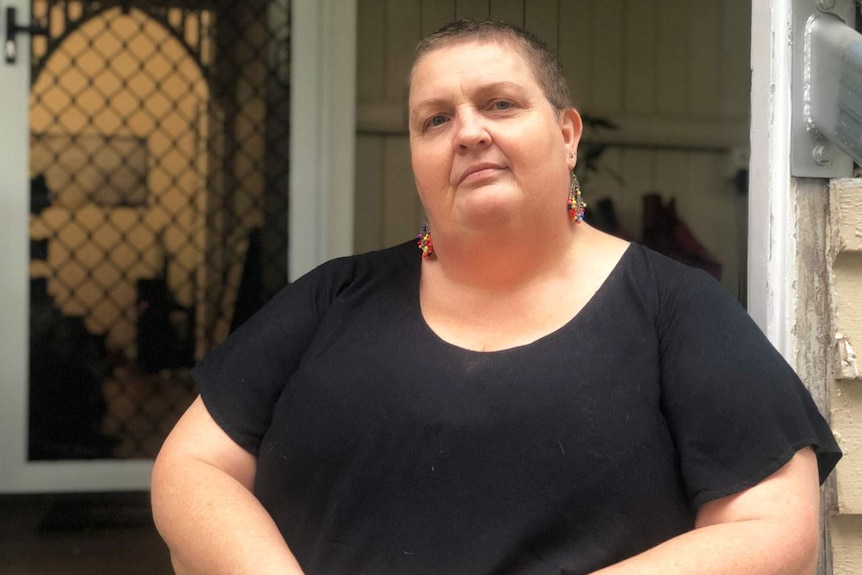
x=742, y=548
x=213, y=524
x=767, y=529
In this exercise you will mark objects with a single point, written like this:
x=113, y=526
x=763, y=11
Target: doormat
x=97, y=511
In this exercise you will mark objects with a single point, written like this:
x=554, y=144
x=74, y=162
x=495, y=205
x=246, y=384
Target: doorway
x=159, y=175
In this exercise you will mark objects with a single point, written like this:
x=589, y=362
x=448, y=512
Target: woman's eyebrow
x=430, y=103
x=500, y=85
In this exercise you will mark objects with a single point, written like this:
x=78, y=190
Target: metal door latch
x=13, y=28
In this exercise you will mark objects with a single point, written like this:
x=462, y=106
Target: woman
x=524, y=394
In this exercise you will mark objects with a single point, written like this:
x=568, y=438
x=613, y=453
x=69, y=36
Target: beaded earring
x=425, y=244
x=575, y=205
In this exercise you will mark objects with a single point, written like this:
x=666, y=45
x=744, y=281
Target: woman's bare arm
x=204, y=508
x=768, y=529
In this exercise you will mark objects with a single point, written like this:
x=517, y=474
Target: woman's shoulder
x=388, y=260
x=667, y=275
x=403, y=256
x=347, y=279
x=649, y=262
x=667, y=289
x=342, y=276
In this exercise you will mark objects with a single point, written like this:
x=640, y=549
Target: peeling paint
x=849, y=368
x=846, y=447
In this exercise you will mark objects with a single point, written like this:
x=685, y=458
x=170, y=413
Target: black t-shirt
x=383, y=449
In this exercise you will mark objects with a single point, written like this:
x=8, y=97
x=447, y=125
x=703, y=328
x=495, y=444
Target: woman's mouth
x=479, y=172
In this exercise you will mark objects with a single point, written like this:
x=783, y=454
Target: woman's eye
x=502, y=105
x=435, y=121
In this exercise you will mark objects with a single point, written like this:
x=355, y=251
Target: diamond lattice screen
x=159, y=169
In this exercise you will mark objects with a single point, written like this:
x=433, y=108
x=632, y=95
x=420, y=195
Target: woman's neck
x=504, y=260
x=503, y=295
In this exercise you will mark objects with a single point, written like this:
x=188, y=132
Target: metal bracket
x=10, y=46
x=826, y=116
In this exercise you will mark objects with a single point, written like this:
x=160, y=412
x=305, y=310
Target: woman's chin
x=487, y=209
x=486, y=217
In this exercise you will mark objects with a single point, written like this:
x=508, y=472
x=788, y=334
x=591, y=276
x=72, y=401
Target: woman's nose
x=471, y=131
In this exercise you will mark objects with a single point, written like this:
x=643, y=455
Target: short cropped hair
x=542, y=61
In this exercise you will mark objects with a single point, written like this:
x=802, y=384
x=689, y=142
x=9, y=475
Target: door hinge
x=13, y=28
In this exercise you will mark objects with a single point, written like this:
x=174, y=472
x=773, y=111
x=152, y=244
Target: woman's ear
x=571, y=127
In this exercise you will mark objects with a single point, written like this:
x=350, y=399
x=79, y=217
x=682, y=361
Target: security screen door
x=155, y=188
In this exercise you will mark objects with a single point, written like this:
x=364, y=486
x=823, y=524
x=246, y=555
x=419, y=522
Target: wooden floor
x=92, y=534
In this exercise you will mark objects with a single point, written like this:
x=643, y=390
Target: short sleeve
x=736, y=409
x=241, y=379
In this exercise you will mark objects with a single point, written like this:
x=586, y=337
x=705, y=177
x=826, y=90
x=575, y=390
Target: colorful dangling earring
x=575, y=205
x=425, y=244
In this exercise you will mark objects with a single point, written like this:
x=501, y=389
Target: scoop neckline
x=592, y=302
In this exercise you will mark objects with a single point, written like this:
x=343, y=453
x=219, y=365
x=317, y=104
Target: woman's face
x=487, y=147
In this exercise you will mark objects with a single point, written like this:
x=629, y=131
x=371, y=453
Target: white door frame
x=322, y=141
x=771, y=218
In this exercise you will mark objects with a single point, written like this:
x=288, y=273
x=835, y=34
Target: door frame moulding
x=771, y=244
